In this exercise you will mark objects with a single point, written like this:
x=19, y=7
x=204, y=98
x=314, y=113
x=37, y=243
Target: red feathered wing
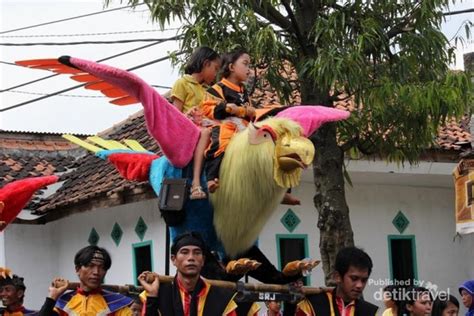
x=15, y=195
x=174, y=132
x=133, y=166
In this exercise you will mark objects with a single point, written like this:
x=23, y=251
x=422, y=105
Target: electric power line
x=7, y=63
x=138, y=11
x=88, y=42
x=83, y=84
x=100, y=60
x=87, y=34
x=67, y=19
x=58, y=95
x=159, y=86
x=459, y=12
x=153, y=62
x=74, y=95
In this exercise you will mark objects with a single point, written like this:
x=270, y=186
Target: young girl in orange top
x=227, y=102
x=187, y=94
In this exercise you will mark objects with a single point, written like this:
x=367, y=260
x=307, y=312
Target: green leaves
x=389, y=56
x=402, y=119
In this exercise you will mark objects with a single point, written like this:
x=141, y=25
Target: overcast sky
x=76, y=112
x=70, y=113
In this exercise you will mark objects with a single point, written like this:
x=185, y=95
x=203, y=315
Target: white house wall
x=426, y=198
x=31, y=252
x=42, y=252
x=440, y=260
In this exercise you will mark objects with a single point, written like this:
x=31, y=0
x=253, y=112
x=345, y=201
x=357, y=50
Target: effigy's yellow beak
x=292, y=155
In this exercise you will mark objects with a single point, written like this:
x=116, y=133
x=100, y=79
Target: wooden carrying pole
x=255, y=287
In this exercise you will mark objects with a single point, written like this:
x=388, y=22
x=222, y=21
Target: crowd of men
x=191, y=295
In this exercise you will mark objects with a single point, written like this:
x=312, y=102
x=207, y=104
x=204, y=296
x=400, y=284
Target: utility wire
x=159, y=86
x=7, y=63
x=83, y=84
x=68, y=19
x=130, y=6
x=458, y=12
x=87, y=34
x=100, y=60
x=76, y=95
x=91, y=42
x=58, y=95
x=138, y=11
x=29, y=82
x=153, y=62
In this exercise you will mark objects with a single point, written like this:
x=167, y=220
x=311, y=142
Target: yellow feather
x=80, y=142
x=134, y=145
x=107, y=144
x=247, y=193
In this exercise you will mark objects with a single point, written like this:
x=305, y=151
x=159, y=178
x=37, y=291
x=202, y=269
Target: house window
x=402, y=258
x=290, y=248
x=142, y=258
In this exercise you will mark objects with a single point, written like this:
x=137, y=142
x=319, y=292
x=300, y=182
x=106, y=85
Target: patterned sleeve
x=214, y=106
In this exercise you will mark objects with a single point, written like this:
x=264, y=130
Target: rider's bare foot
x=197, y=193
x=212, y=185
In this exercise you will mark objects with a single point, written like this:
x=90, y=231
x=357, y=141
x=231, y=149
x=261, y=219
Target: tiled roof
x=24, y=155
x=265, y=94
x=95, y=182
x=455, y=135
x=17, y=166
x=12, y=141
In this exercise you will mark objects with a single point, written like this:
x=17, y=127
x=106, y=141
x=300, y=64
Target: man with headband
x=92, y=264
x=189, y=294
x=12, y=293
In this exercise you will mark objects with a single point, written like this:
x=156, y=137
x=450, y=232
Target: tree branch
x=403, y=26
x=264, y=9
x=349, y=144
x=295, y=25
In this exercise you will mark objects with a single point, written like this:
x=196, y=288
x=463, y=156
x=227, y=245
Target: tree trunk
x=330, y=200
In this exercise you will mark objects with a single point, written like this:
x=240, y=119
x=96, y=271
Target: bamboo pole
x=254, y=287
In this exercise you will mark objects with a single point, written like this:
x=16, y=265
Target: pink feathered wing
x=174, y=132
x=312, y=117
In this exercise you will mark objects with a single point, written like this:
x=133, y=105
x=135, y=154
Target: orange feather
x=125, y=101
